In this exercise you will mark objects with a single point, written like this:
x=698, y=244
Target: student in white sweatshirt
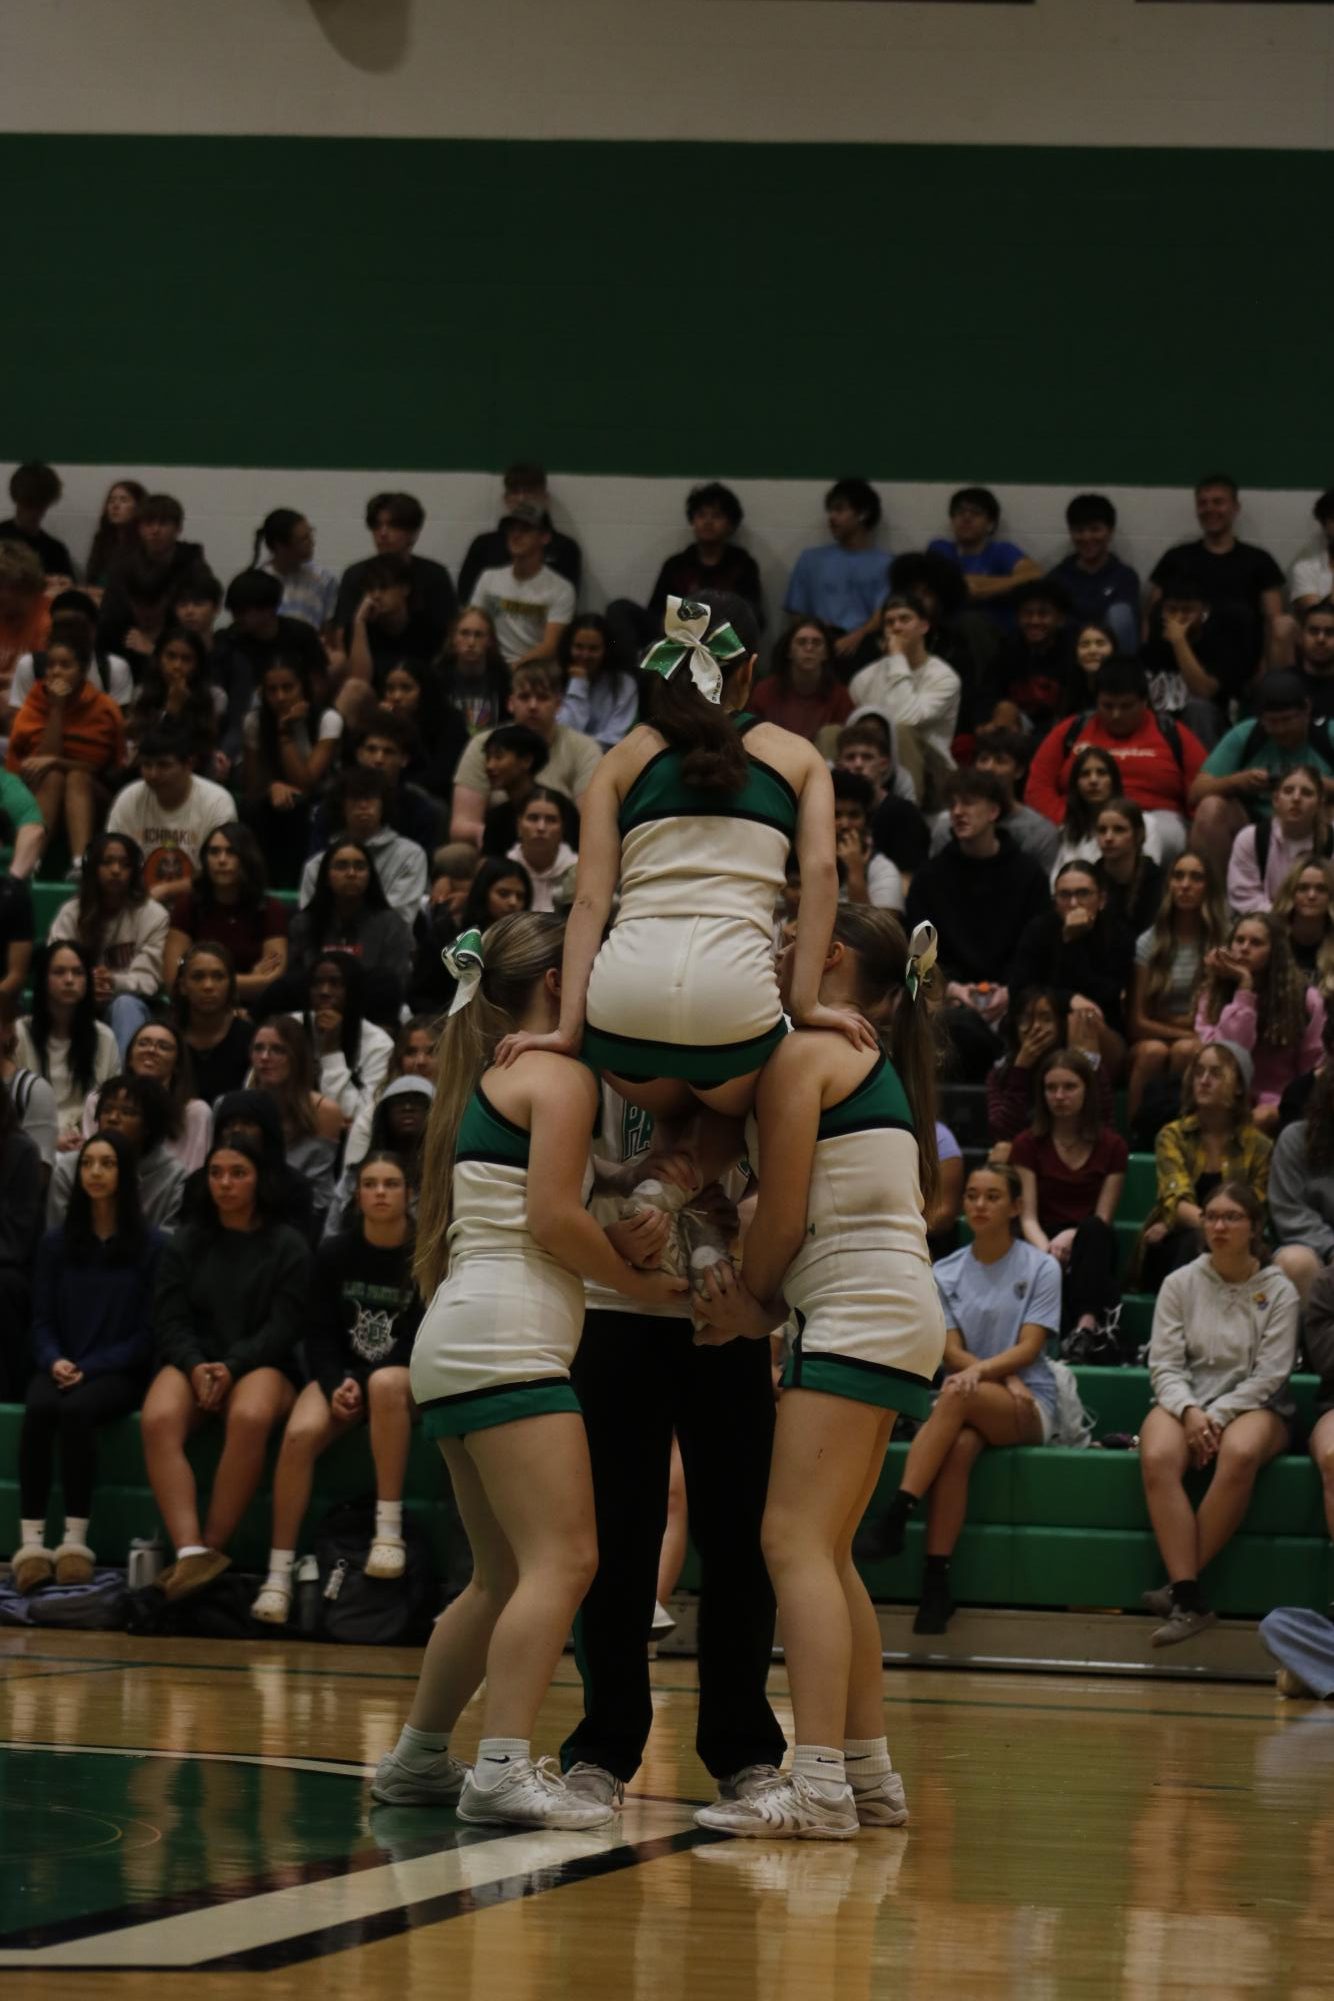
x=1223, y=1346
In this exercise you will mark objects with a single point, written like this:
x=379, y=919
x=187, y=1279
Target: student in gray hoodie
x=137, y=1109
x=1224, y=1343
x=359, y=808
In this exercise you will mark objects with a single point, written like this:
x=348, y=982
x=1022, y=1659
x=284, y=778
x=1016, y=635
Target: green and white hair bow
x=921, y=958
x=688, y=642
x=464, y=960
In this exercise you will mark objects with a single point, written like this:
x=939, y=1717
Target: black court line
x=58, y=1674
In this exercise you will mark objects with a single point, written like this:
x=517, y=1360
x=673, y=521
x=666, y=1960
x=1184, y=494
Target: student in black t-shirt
x=395, y=521
x=385, y=626
x=1199, y=663
x=712, y=562
x=1242, y=584
x=360, y=1325
x=34, y=489
x=1033, y=679
x=257, y=636
x=1315, y=656
x=527, y=483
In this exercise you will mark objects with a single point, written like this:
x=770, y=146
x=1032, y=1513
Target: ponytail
x=518, y=951
x=906, y=1026
x=713, y=756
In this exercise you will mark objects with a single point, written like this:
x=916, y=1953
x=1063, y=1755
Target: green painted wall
x=915, y=312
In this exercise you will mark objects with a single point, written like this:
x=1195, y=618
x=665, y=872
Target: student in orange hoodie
x=67, y=739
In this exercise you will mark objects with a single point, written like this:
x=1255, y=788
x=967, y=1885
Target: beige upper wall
x=1062, y=72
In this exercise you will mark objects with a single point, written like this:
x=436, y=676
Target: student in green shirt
x=21, y=823
x=1238, y=778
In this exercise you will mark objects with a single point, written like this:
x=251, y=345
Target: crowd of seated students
x=1111, y=797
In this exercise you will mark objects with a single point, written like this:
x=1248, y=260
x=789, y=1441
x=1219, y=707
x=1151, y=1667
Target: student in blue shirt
x=1102, y=590
x=992, y=568
x=845, y=583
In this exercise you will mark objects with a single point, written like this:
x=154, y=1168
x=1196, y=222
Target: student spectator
x=1200, y=664
x=802, y=692
x=123, y=931
x=1095, y=780
x=1242, y=585
x=1157, y=762
x=979, y=891
x=93, y=1344
x=158, y=1054
x=22, y=825
x=868, y=877
x=712, y=562
x=1237, y=781
x=571, y=758
x=34, y=489
x=351, y=1053
x=362, y=1318
x=349, y=912
x=946, y=1206
x=1093, y=644
x=282, y=1064
x=1099, y=588
x=1265, y=854
x=992, y=568
x=498, y=888
x=258, y=636
x=116, y=532
x=1131, y=879
x=1032, y=1028
x=1002, y=1301
x=21, y=1181
x=541, y=846
x=228, y=1311
x=384, y=743
x=844, y=583
x=357, y=808
x=108, y=673
x=290, y=737
x=1318, y=1342
x=176, y=690
x=31, y=1094
x=527, y=483
x=1213, y=1141
x=866, y=746
x=195, y=604
x=384, y=627
x=1072, y=1168
x=453, y=870
x=414, y=696
x=229, y=905
x=68, y=741
x=963, y=637
x=475, y=679
x=1033, y=678
x=395, y=521
x=17, y=926
x=1223, y=1347
x=1301, y=1188
x=919, y=692
x=1312, y=577
x=170, y=812
x=1256, y=998
x=601, y=700
x=309, y=590
x=1191, y=921
x=1005, y=754
x=300, y=1178
x=62, y=1039
x=135, y=1108
x=204, y=995
x=1305, y=902
x=397, y=1125
x=1078, y=950
x=135, y=611
x=414, y=1058
x=529, y=604
x=158, y=526
x=1315, y=658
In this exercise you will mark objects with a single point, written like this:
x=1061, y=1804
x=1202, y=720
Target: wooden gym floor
x=198, y=1813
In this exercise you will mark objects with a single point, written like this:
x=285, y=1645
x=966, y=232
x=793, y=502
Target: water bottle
x=148, y=1557
x=307, y=1581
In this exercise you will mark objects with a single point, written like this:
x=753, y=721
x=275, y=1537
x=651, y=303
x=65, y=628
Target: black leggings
x=74, y=1415
x=1092, y=1281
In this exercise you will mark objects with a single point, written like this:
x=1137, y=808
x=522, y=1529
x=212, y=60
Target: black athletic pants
x=1092, y=1284
x=638, y=1379
x=72, y=1416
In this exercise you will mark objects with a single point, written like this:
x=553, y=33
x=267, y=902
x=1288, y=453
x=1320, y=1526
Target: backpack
x=102, y=1605
x=221, y=1611
x=1074, y=1425
x=360, y=1611
x=1167, y=729
x=1318, y=737
x=1263, y=830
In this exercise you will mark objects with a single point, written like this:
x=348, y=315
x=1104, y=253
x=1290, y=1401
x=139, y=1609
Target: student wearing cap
x=529, y=604
x=1237, y=781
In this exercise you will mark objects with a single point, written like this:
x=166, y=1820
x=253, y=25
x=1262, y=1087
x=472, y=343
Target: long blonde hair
x=906, y=1028
x=1215, y=922
x=1283, y=907
x=517, y=952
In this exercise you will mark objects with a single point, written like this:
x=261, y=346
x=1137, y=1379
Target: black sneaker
x=936, y=1608
x=878, y=1541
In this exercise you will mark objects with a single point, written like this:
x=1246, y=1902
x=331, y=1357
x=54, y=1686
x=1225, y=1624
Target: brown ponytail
x=906, y=1027
x=713, y=755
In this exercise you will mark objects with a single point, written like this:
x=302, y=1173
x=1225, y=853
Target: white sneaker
x=882, y=1804
x=595, y=1782
x=788, y=1808
x=663, y=1622
x=397, y=1784
x=531, y=1795
x=743, y=1783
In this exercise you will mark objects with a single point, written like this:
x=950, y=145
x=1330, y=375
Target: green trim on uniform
x=878, y=1101
x=455, y=1417
x=486, y=1134
x=660, y=793
x=860, y=1382
x=632, y=1057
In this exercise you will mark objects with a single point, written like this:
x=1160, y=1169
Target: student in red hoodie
x=1158, y=761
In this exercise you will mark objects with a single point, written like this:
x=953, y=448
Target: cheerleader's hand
x=513, y=1046
x=727, y=1308
x=654, y=1288
x=844, y=1021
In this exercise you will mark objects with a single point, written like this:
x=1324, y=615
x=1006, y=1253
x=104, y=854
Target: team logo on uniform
x=373, y=1334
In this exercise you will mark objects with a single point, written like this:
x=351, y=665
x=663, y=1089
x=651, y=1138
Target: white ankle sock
x=32, y=1533
x=389, y=1519
x=496, y=1759
x=76, y=1529
x=419, y=1749
x=280, y=1568
x=191, y=1549
x=822, y=1767
x=867, y=1760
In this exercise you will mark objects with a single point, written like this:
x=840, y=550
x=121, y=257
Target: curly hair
x=1280, y=991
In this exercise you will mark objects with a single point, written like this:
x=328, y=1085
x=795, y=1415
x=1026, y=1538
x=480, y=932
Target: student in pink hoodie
x=1256, y=997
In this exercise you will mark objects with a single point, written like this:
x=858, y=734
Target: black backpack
x=221, y=1611
x=360, y=1611
x=1263, y=830
x=1167, y=729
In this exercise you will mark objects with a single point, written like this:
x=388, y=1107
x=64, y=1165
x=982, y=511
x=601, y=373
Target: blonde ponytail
x=906, y=1026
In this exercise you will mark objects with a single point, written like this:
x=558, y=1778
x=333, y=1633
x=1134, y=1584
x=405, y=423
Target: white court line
x=343, y=1771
